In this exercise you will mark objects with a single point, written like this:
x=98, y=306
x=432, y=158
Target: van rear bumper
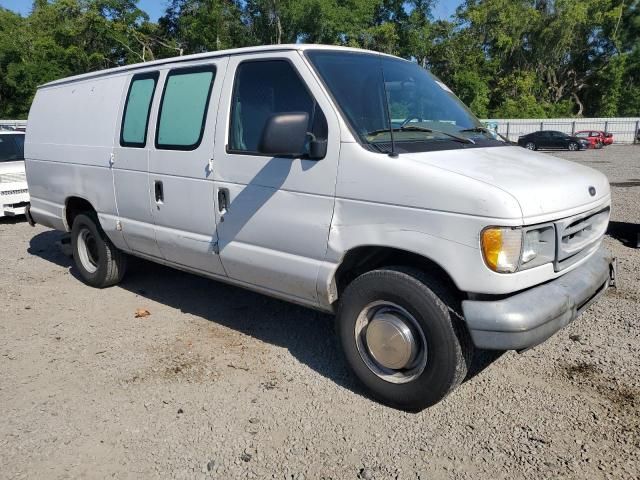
x=528, y=318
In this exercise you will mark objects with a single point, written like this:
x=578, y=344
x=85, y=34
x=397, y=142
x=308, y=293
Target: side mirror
x=285, y=134
x=317, y=148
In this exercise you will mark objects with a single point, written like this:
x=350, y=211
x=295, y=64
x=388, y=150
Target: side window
x=135, y=119
x=183, y=109
x=263, y=88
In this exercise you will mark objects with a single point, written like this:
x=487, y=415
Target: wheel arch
x=73, y=206
x=364, y=258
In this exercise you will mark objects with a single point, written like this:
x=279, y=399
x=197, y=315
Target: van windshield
x=423, y=113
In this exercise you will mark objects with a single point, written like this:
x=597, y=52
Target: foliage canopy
x=504, y=58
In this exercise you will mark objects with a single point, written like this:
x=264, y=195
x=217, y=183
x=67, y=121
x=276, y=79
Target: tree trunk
x=579, y=103
x=275, y=19
x=278, y=29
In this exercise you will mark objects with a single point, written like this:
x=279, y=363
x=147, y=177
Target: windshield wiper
x=487, y=131
x=431, y=130
x=476, y=129
x=415, y=128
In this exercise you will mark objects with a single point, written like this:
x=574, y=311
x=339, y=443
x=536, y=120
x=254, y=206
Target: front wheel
x=403, y=338
x=530, y=146
x=98, y=261
x=573, y=146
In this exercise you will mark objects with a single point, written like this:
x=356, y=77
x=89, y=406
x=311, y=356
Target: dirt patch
x=219, y=382
x=624, y=398
x=581, y=369
x=178, y=362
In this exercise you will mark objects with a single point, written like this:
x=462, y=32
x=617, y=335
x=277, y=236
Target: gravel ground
x=218, y=382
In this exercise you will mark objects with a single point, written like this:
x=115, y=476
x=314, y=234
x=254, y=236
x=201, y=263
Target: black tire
x=530, y=146
x=449, y=349
x=573, y=146
x=98, y=261
x=599, y=145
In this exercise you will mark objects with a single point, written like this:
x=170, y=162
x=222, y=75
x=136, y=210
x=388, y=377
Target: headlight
x=501, y=248
x=506, y=250
x=539, y=247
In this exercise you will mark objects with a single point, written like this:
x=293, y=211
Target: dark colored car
x=552, y=139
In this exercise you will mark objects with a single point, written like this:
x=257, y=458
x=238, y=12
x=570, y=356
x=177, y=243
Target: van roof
x=201, y=56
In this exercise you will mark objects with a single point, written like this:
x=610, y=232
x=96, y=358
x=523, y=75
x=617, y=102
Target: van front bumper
x=13, y=200
x=529, y=318
x=13, y=209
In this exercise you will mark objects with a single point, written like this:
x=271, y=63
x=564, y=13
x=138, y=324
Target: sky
x=155, y=8
x=443, y=9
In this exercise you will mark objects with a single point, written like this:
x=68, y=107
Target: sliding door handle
x=223, y=200
x=159, y=191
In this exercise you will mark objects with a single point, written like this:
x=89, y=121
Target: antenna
x=393, y=153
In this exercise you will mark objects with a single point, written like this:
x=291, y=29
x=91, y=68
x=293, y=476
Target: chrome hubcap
x=531, y=146
x=88, y=250
x=391, y=342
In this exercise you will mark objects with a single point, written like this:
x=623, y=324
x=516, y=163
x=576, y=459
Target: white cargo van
x=349, y=181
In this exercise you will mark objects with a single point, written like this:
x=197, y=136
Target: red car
x=596, y=137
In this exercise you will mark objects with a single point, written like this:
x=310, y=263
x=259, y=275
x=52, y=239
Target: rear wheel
x=403, y=338
x=599, y=145
x=573, y=146
x=98, y=261
x=530, y=146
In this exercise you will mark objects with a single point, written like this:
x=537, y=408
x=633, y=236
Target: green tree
x=502, y=57
x=68, y=37
x=195, y=26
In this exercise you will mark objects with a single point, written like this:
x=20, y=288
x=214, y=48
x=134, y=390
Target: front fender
x=450, y=240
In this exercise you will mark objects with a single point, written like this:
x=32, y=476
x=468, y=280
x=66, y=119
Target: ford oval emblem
x=592, y=191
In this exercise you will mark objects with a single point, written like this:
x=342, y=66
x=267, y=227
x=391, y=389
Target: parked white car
x=14, y=194
x=279, y=169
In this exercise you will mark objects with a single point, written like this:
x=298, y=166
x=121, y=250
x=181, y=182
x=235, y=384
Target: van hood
x=12, y=167
x=542, y=184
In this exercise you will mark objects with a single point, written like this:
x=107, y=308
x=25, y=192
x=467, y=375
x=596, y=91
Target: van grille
x=579, y=235
x=14, y=192
x=13, y=177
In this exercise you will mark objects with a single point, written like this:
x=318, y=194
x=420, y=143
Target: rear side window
x=135, y=119
x=183, y=110
x=262, y=89
x=11, y=148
